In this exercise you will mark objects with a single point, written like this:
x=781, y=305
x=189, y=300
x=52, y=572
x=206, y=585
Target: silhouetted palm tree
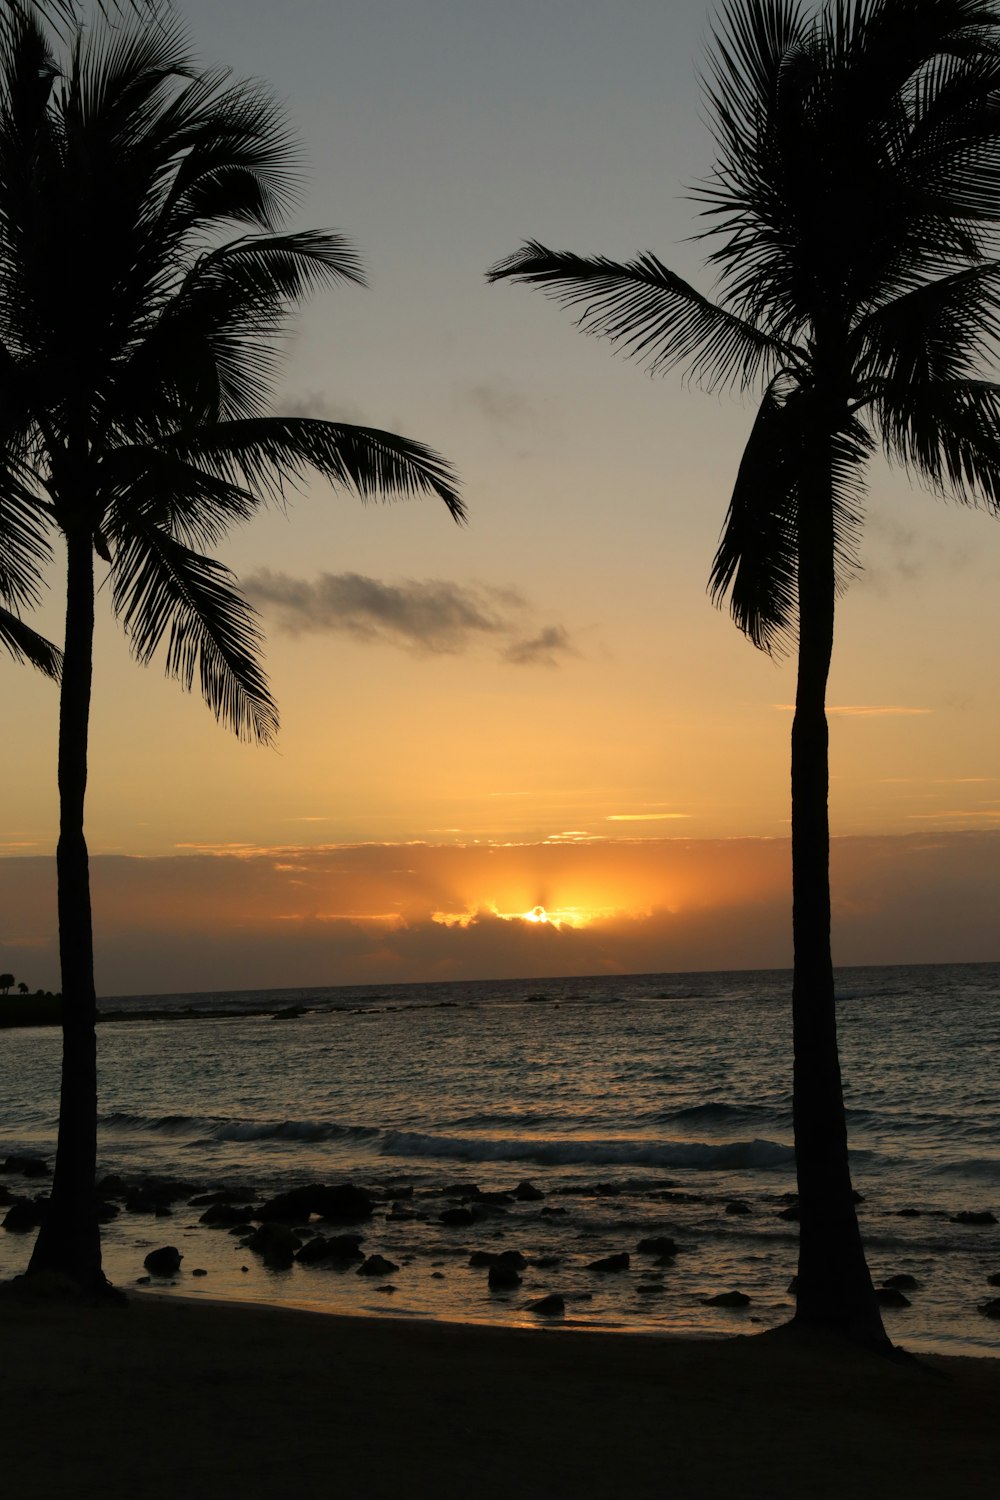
x=855, y=194
x=138, y=339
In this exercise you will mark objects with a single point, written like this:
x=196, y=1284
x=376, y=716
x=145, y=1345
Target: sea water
x=637, y=1106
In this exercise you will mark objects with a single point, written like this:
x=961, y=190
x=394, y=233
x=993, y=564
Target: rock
x=512, y=1258
x=377, y=1265
x=891, y=1296
x=27, y=1166
x=457, y=1218
x=6, y=1196
x=339, y=1248
x=609, y=1263
x=970, y=1216
x=343, y=1204
x=112, y=1186
x=737, y=1206
x=164, y=1262
x=199, y=1272
x=727, y=1299
x=791, y=1212
x=903, y=1282
x=990, y=1309
x=502, y=1278
x=276, y=1243
x=657, y=1244
x=650, y=1289
x=106, y=1211
x=993, y=1280
x=793, y=1285
x=552, y=1306
x=908, y=1213
x=226, y=1215
x=24, y=1214
x=548, y=1210
x=143, y=1280
x=386, y=1286
x=438, y=1276
x=526, y=1192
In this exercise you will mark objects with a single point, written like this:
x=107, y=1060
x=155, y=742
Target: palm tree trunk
x=834, y=1284
x=70, y=1239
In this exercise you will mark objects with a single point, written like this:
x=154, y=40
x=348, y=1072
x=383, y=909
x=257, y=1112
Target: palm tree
x=138, y=340
x=853, y=204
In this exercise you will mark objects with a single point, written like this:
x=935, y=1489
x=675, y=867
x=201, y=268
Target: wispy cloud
x=429, y=616
x=541, y=650
x=644, y=817
x=863, y=710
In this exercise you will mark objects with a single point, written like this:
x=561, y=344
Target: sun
x=536, y=914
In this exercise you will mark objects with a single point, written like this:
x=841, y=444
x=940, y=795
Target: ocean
x=634, y=1106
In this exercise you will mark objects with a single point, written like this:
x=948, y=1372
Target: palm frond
x=268, y=453
x=193, y=506
x=756, y=563
x=26, y=645
x=649, y=314
x=945, y=329
x=946, y=433
x=163, y=590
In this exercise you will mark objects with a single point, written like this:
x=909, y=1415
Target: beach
x=162, y=1398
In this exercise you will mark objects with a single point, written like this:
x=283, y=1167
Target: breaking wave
x=733, y=1155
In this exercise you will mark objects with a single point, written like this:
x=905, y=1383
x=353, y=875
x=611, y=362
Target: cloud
x=644, y=817
x=429, y=617
x=541, y=650
x=863, y=710
x=500, y=404
x=365, y=913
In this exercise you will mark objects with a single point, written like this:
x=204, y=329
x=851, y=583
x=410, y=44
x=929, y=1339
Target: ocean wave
x=717, y=1113
x=218, y=1128
x=758, y=1155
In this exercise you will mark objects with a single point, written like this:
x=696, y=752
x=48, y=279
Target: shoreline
x=245, y=1400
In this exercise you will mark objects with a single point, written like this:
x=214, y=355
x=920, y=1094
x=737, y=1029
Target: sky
x=541, y=708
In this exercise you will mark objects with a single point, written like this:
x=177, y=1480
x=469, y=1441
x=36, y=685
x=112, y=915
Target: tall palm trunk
x=69, y=1240
x=834, y=1284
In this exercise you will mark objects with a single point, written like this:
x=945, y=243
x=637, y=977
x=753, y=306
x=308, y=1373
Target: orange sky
x=377, y=913
x=554, y=668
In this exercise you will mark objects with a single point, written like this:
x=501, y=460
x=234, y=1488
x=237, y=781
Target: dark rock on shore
x=791, y=1212
x=727, y=1299
x=377, y=1265
x=512, y=1258
x=227, y=1215
x=609, y=1263
x=993, y=1280
x=199, y=1271
x=552, y=1306
x=106, y=1211
x=457, y=1218
x=903, y=1282
x=738, y=1206
x=276, y=1243
x=908, y=1213
x=891, y=1296
x=526, y=1192
x=164, y=1262
x=341, y=1248
x=657, y=1244
x=503, y=1278
x=971, y=1216
x=342, y=1204
x=27, y=1166
x=25, y=1214
x=112, y=1186
x=990, y=1309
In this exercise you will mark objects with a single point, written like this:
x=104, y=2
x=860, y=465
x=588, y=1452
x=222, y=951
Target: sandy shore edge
x=170, y=1398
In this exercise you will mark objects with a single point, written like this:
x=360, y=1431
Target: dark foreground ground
x=183, y=1401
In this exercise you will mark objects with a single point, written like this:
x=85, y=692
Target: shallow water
x=637, y=1105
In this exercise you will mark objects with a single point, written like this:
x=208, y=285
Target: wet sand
x=173, y=1399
